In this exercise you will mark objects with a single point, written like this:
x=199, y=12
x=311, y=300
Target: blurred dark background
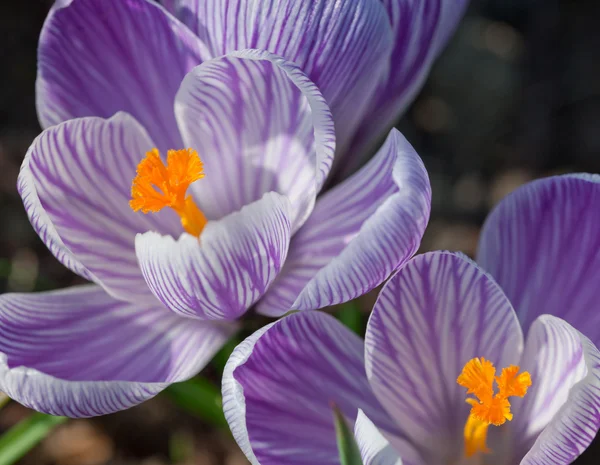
x=515, y=96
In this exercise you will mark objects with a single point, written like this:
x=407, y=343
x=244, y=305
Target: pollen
x=157, y=186
x=489, y=408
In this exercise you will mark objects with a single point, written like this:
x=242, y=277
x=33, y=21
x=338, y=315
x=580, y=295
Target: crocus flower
x=197, y=203
x=457, y=367
x=369, y=58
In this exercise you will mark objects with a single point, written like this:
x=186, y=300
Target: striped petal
x=343, y=46
x=560, y=416
x=280, y=383
x=80, y=353
x=375, y=449
x=438, y=312
x=358, y=234
x=75, y=183
x=259, y=125
x=96, y=58
x=542, y=245
x=220, y=275
x=421, y=30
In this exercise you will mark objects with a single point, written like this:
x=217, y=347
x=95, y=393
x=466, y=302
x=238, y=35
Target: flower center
x=478, y=376
x=157, y=186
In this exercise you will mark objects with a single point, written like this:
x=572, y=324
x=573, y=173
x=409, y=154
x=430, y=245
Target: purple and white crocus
x=369, y=58
x=118, y=82
x=532, y=302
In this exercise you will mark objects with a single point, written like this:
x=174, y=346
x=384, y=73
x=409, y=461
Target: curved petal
x=358, y=234
x=343, y=46
x=75, y=183
x=221, y=275
x=374, y=447
x=279, y=384
x=259, y=125
x=542, y=245
x=421, y=30
x=565, y=396
x=438, y=312
x=96, y=58
x=80, y=353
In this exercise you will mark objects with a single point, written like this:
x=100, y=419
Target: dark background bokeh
x=515, y=96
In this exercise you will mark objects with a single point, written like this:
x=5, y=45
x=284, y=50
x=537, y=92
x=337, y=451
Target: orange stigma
x=478, y=376
x=157, y=186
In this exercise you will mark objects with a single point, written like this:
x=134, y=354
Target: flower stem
x=26, y=434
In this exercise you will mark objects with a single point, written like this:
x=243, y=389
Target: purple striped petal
x=438, y=312
x=279, y=384
x=555, y=359
x=80, y=353
x=343, y=46
x=564, y=401
x=542, y=245
x=358, y=234
x=375, y=449
x=220, y=275
x=260, y=126
x=99, y=57
x=421, y=30
x=75, y=183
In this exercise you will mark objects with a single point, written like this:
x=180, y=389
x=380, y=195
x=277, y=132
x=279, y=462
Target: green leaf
x=221, y=357
x=351, y=316
x=200, y=397
x=22, y=437
x=347, y=447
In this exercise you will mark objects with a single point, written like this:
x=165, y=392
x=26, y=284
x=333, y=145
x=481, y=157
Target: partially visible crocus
x=369, y=58
x=193, y=206
x=451, y=372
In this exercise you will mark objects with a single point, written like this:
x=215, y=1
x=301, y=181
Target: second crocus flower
x=453, y=370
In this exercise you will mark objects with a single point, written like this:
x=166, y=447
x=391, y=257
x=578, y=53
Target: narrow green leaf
x=347, y=447
x=351, y=316
x=22, y=437
x=200, y=397
x=221, y=357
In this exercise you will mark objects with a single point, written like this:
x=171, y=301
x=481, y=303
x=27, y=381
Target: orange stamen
x=157, y=186
x=511, y=384
x=478, y=376
x=476, y=430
